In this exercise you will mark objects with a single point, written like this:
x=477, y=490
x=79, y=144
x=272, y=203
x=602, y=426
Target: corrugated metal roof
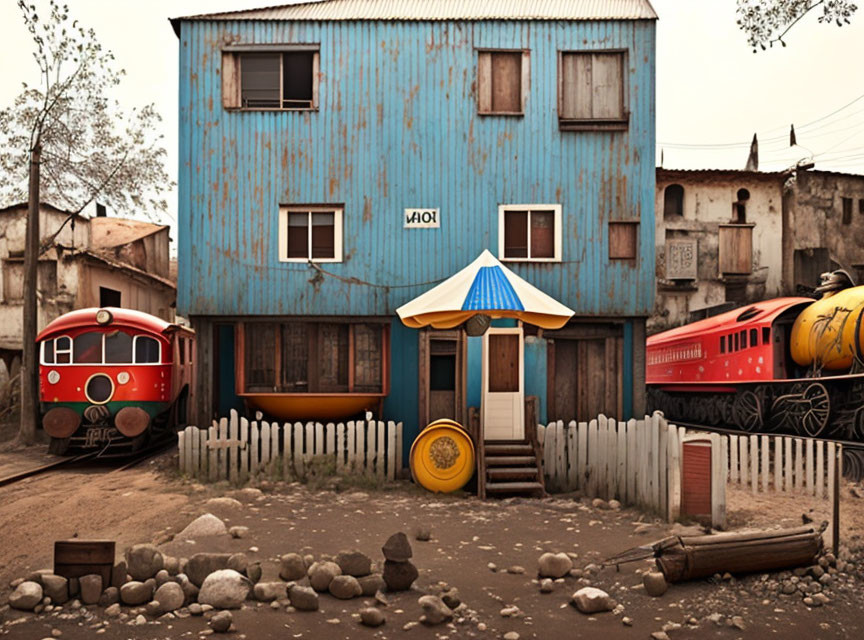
x=445, y=10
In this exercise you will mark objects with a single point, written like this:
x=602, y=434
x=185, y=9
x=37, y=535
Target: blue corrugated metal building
x=339, y=158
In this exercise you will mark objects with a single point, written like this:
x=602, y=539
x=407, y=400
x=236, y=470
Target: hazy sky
x=713, y=93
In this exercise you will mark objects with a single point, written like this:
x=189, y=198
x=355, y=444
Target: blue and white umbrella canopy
x=483, y=287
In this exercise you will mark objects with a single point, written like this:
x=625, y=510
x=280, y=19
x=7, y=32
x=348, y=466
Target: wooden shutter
x=542, y=234
x=736, y=249
x=591, y=87
x=622, y=240
x=502, y=81
x=484, y=82
x=576, y=86
x=230, y=80
x=607, y=87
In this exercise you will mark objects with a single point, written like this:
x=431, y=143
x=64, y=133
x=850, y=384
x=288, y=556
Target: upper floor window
x=592, y=93
x=502, y=82
x=847, y=210
x=673, y=200
x=270, y=77
x=310, y=234
x=739, y=208
x=529, y=232
x=623, y=239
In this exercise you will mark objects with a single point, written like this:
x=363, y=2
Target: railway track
x=853, y=452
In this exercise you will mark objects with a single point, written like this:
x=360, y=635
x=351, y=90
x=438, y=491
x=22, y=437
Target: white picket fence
x=788, y=464
x=234, y=448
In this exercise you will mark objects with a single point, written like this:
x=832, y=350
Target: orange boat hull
x=312, y=406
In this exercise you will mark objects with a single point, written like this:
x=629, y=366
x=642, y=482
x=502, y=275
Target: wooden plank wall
x=235, y=449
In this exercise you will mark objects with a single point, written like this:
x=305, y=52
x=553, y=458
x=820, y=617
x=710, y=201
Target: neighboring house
x=339, y=158
x=726, y=238
x=92, y=262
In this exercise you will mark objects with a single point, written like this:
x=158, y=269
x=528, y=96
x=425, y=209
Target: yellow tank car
x=830, y=332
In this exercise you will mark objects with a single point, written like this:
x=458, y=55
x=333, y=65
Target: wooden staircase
x=512, y=468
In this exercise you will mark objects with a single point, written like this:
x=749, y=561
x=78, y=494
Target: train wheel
x=58, y=446
x=817, y=408
x=747, y=411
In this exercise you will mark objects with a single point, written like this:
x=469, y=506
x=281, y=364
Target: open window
x=529, y=233
x=264, y=77
x=502, y=82
x=310, y=234
x=592, y=92
x=673, y=201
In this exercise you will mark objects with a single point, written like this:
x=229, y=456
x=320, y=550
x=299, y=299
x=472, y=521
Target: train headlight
x=123, y=377
x=53, y=377
x=103, y=316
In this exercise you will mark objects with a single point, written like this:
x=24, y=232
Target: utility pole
x=29, y=365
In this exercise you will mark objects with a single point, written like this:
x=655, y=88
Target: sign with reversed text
x=421, y=219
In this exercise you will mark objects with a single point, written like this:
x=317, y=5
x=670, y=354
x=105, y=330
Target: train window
x=118, y=347
x=87, y=348
x=754, y=338
x=146, y=350
x=48, y=352
x=743, y=339
x=63, y=350
x=181, y=349
x=722, y=344
x=736, y=343
x=766, y=335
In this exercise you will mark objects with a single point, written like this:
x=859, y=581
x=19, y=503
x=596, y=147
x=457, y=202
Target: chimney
x=100, y=210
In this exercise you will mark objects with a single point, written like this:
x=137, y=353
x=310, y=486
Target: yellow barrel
x=829, y=331
x=442, y=457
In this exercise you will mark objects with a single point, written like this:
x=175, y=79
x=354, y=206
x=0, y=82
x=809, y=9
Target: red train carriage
x=112, y=378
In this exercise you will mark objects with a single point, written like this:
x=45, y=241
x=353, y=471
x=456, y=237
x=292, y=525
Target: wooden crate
x=76, y=558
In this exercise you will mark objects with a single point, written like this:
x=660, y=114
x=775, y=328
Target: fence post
x=766, y=466
x=582, y=455
x=560, y=455
x=398, y=448
x=330, y=433
x=212, y=465
x=379, y=454
x=743, y=460
x=809, y=467
x=370, y=443
x=232, y=452
x=787, y=455
x=632, y=461
x=733, y=459
x=718, y=483
x=571, y=458
x=799, y=464
x=340, y=447
x=286, y=451
x=835, y=500
x=621, y=471
x=820, y=469
x=309, y=444
x=222, y=452
x=181, y=451
x=591, y=470
x=351, y=447
x=256, y=444
x=391, y=450
x=754, y=463
x=663, y=464
x=674, y=453
x=297, y=448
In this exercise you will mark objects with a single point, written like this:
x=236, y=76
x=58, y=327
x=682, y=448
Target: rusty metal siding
x=398, y=127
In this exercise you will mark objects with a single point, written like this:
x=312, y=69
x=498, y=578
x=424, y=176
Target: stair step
x=515, y=449
x=511, y=461
x=513, y=487
x=504, y=473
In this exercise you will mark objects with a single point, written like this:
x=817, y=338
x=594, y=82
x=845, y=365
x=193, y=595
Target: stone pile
x=399, y=572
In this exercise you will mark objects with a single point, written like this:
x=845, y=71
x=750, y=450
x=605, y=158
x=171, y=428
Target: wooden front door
x=442, y=376
x=696, y=479
x=503, y=385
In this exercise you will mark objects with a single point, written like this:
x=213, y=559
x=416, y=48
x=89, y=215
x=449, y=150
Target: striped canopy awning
x=483, y=287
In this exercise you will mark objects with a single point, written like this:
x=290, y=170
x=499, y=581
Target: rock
x=660, y=635
x=189, y=589
x=269, y=591
x=423, y=533
x=170, y=596
x=110, y=596
x=434, y=610
x=788, y=588
x=202, y=527
x=354, y=563
x=397, y=548
x=511, y=635
x=56, y=588
x=74, y=587
x=153, y=609
x=592, y=600
x=599, y=503
x=516, y=570
x=303, y=598
x=119, y=573
x=546, y=585
x=202, y=565
x=112, y=611
x=738, y=623
x=615, y=505
x=91, y=588
x=292, y=567
x=238, y=562
x=372, y=617
x=627, y=622
x=224, y=502
x=143, y=561
x=162, y=577
x=371, y=584
x=554, y=565
x=253, y=572
x=399, y=576
x=36, y=576
x=322, y=573
x=26, y=596
x=221, y=622
x=345, y=587
x=224, y=589
x=654, y=583
x=171, y=565
x=135, y=593
x=451, y=598
x=238, y=532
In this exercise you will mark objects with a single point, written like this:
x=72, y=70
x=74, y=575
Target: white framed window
x=310, y=233
x=529, y=232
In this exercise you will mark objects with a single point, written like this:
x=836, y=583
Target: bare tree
x=64, y=138
x=768, y=21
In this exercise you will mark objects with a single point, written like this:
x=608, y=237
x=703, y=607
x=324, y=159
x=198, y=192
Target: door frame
x=425, y=336
x=518, y=331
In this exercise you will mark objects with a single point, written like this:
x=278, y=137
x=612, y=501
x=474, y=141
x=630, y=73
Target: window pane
x=87, y=348
x=323, y=231
x=367, y=358
x=722, y=344
x=295, y=356
x=118, y=347
x=542, y=234
x=766, y=335
x=146, y=350
x=576, y=86
x=333, y=357
x=260, y=356
x=607, y=87
x=743, y=339
x=515, y=234
x=442, y=372
x=297, y=79
x=48, y=352
x=507, y=81
x=754, y=338
x=298, y=235
x=259, y=79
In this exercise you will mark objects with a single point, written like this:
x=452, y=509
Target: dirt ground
x=150, y=504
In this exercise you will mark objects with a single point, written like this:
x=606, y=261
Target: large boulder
x=397, y=548
x=322, y=573
x=292, y=567
x=434, y=610
x=224, y=589
x=399, y=576
x=345, y=587
x=170, y=597
x=269, y=591
x=554, y=565
x=202, y=565
x=593, y=600
x=56, y=588
x=303, y=598
x=143, y=561
x=134, y=593
x=354, y=563
x=202, y=527
x=26, y=596
x=91, y=588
